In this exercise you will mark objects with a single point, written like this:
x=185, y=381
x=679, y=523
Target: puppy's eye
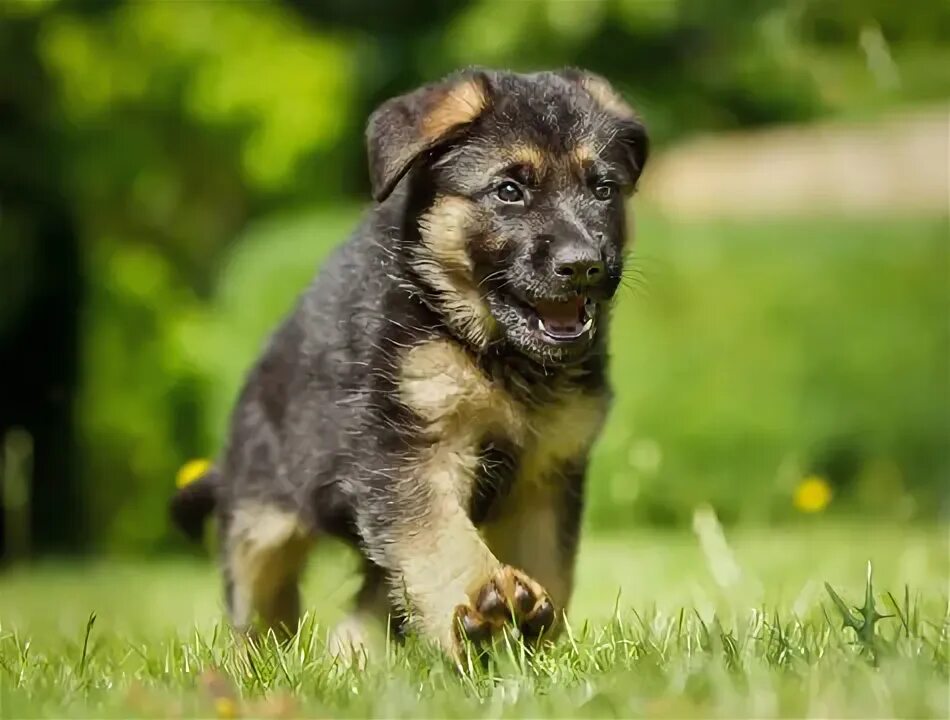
x=604, y=190
x=509, y=192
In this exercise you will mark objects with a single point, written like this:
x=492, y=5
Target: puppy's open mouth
x=567, y=320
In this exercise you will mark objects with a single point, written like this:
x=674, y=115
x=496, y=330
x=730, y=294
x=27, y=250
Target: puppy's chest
x=498, y=440
x=530, y=455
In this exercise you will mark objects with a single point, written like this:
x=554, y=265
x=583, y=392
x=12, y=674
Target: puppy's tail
x=194, y=502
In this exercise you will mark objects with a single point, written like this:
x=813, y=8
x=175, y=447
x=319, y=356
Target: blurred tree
x=42, y=292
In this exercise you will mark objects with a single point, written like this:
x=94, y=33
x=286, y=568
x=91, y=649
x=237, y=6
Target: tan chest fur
x=461, y=406
x=444, y=556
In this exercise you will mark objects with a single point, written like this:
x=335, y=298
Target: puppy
x=433, y=397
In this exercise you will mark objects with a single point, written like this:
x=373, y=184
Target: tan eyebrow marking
x=583, y=156
x=536, y=161
x=529, y=155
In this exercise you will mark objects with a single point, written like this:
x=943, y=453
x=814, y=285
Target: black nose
x=580, y=265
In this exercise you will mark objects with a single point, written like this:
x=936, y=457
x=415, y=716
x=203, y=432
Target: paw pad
x=510, y=597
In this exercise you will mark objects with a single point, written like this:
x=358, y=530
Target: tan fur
x=526, y=535
x=442, y=560
x=561, y=431
x=451, y=108
x=526, y=532
x=442, y=557
x=442, y=384
x=607, y=97
x=566, y=167
x=529, y=155
x=582, y=156
x=266, y=549
x=443, y=260
x=459, y=105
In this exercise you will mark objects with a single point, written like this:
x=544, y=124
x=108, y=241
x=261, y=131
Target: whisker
x=634, y=289
x=491, y=276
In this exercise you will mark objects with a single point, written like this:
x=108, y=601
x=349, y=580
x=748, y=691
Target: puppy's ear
x=404, y=128
x=630, y=129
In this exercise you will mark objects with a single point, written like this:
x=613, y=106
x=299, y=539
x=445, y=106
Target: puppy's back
x=299, y=417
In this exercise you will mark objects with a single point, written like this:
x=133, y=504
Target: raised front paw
x=509, y=597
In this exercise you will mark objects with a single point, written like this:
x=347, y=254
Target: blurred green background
x=171, y=174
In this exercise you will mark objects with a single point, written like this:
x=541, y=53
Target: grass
x=663, y=625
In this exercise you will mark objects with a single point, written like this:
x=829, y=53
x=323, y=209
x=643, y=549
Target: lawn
x=663, y=625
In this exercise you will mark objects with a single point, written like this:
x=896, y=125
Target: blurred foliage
x=757, y=354
x=165, y=130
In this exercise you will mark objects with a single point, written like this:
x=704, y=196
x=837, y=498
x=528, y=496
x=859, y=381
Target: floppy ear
x=405, y=127
x=630, y=131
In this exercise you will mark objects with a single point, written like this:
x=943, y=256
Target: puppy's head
x=517, y=186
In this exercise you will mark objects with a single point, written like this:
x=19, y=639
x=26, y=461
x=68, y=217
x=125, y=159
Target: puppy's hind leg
x=350, y=638
x=264, y=548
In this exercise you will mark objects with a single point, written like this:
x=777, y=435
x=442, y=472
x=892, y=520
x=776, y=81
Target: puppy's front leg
x=442, y=571
x=537, y=530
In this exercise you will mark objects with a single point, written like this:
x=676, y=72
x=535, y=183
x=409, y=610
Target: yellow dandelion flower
x=191, y=471
x=812, y=494
x=225, y=708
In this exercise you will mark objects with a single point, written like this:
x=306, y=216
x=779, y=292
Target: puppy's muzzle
x=578, y=265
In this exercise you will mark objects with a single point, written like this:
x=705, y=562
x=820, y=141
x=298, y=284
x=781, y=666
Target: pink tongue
x=561, y=314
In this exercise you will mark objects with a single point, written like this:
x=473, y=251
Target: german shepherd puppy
x=433, y=397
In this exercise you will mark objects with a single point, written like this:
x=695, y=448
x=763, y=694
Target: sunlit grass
x=656, y=630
